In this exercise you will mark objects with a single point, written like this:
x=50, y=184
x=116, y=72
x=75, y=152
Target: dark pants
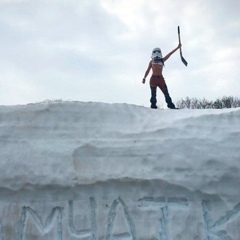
x=158, y=81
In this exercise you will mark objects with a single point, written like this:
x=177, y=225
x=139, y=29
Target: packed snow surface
x=75, y=170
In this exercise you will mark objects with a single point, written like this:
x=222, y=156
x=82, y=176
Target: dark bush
x=194, y=103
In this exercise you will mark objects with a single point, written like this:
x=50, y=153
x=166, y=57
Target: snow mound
x=138, y=173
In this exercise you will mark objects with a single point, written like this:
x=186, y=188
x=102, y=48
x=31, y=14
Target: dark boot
x=154, y=106
x=153, y=99
x=168, y=99
x=169, y=102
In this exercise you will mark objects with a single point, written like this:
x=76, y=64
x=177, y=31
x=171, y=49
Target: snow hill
x=75, y=170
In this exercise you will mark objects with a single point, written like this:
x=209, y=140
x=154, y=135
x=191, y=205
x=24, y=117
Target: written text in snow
x=60, y=220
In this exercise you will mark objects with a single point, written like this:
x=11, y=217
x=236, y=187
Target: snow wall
x=94, y=171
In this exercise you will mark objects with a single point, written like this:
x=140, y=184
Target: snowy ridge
x=62, y=142
x=118, y=156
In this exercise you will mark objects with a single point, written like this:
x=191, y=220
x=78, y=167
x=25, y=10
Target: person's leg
x=153, y=99
x=168, y=99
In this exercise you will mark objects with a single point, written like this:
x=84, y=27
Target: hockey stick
x=179, y=39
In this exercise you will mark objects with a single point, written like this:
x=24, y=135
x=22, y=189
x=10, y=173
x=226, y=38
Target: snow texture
x=96, y=171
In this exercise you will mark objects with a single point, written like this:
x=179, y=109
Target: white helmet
x=156, y=53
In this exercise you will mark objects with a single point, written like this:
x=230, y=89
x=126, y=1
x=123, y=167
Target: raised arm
x=173, y=51
x=147, y=72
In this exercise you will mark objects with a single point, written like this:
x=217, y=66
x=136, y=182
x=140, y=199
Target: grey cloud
x=65, y=48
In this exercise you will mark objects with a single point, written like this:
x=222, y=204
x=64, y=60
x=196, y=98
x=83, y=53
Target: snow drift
x=73, y=170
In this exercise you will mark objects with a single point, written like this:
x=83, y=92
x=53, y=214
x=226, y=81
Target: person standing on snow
x=157, y=80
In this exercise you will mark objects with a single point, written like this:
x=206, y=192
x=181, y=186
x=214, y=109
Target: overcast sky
x=99, y=50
